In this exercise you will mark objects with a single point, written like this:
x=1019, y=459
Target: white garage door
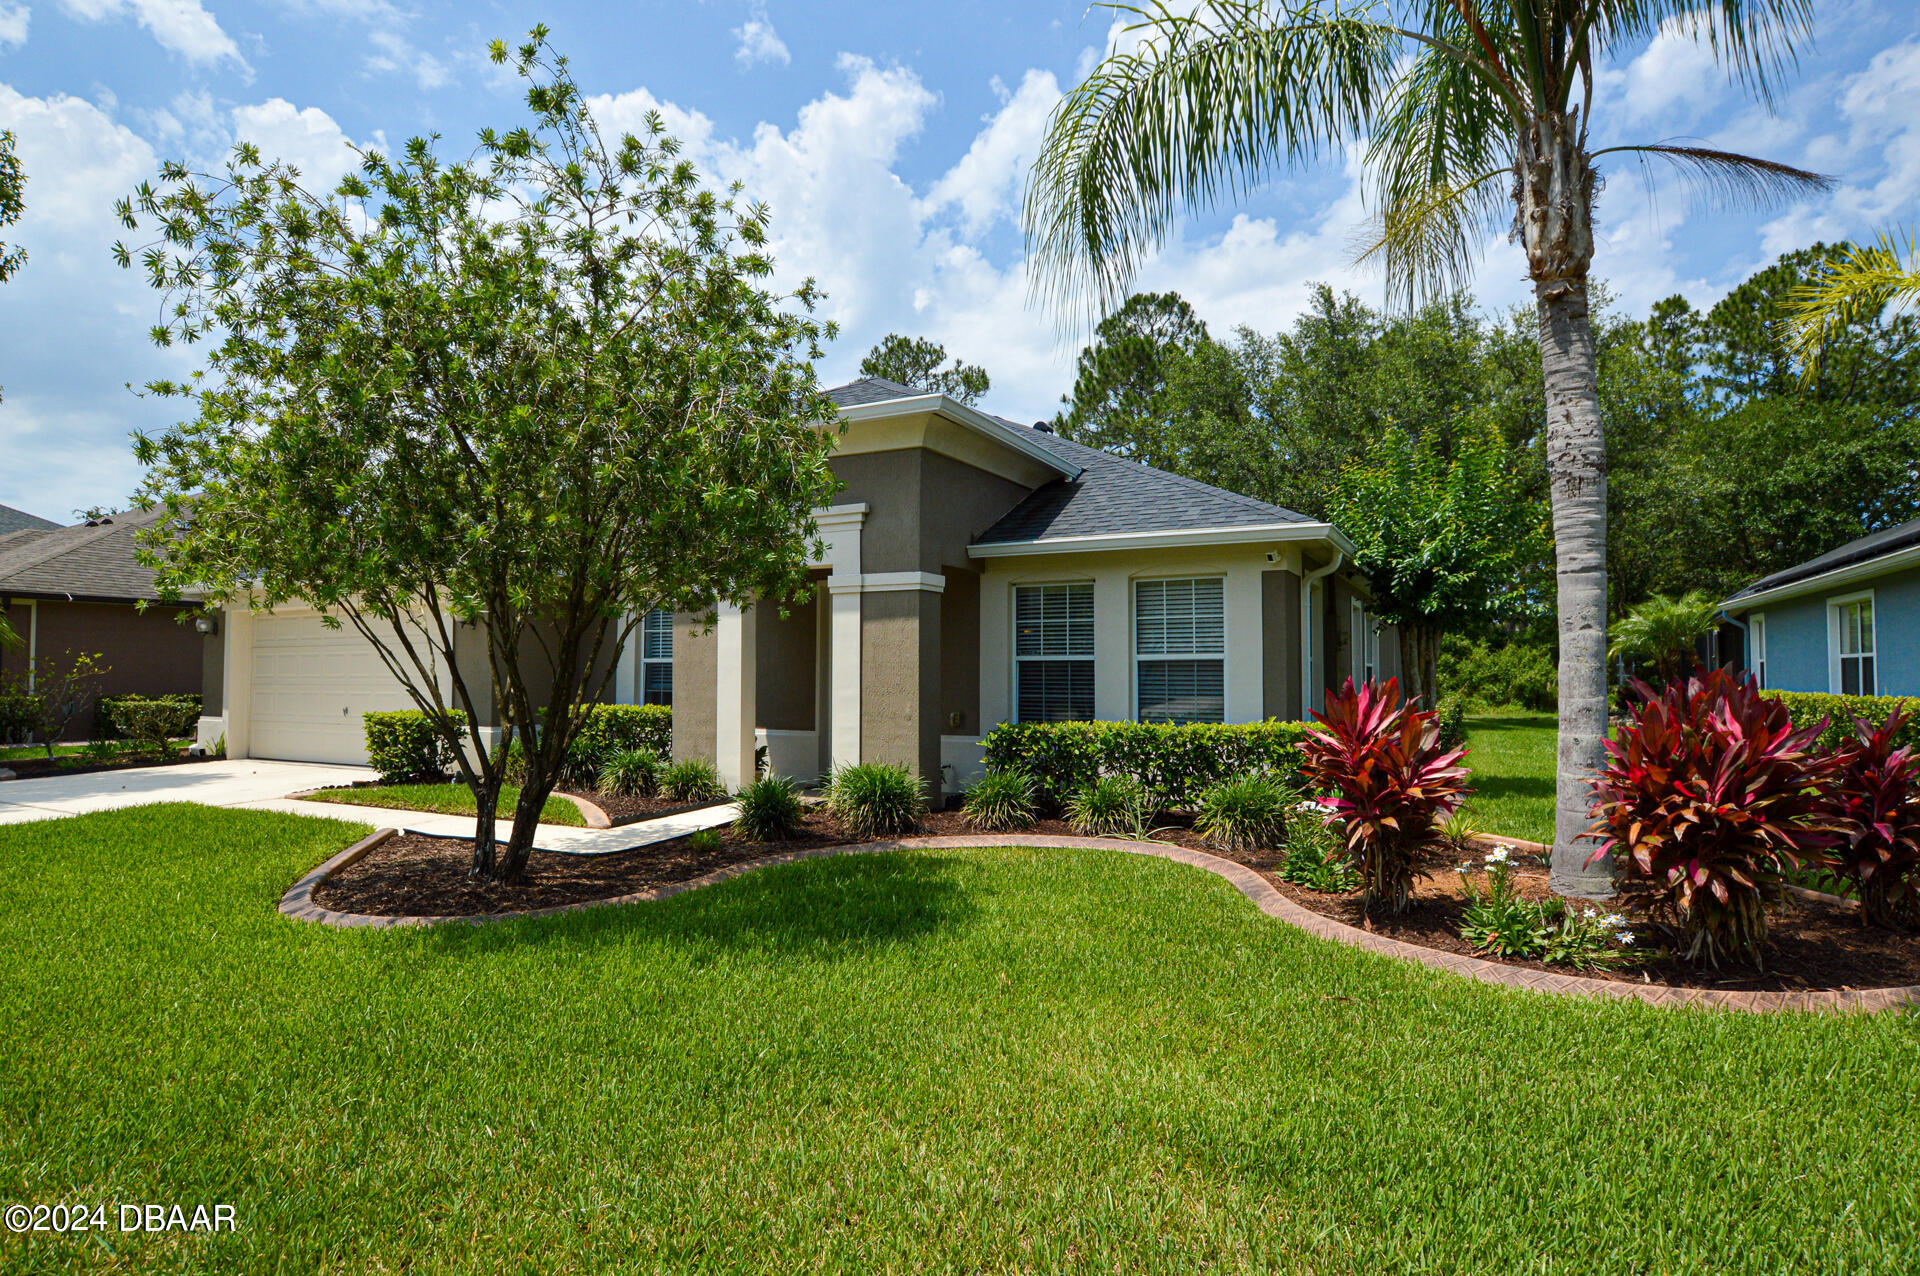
x=310, y=686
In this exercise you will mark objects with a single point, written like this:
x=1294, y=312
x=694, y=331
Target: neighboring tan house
x=1846, y=622
x=72, y=590
x=977, y=571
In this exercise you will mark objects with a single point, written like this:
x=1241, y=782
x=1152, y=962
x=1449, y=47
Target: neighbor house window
x=656, y=658
x=1852, y=635
x=1180, y=649
x=1053, y=652
x=1366, y=645
x=1757, y=641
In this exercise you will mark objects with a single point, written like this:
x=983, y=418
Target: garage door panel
x=311, y=684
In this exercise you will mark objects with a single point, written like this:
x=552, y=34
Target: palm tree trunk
x=1577, y=466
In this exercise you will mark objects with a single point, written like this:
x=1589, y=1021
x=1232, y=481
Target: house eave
x=972, y=418
x=1827, y=581
x=1107, y=542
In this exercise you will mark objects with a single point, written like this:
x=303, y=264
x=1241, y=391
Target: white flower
x=1500, y=855
x=1613, y=921
x=1625, y=937
x=1462, y=869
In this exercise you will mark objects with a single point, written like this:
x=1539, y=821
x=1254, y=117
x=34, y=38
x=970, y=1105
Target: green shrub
x=692, y=780
x=1244, y=814
x=616, y=728
x=1806, y=708
x=1514, y=675
x=18, y=714
x=769, y=810
x=1111, y=806
x=1497, y=920
x=1001, y=802
x=1176, y=762
x=704, y=840
x=404, y=746
x=876, y=800
x=630, y=773
x=1316, y=857
x=149, y=721
x=1451, y=715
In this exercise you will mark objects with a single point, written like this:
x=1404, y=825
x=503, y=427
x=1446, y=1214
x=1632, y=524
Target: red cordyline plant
x=1393, y=781
x=1708, y=798
x=1876, y=809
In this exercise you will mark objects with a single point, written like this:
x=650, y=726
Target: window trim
x=1133, y=637
x=1835, y=605
x=1365, y=639
x=1013, y=641
x=640, y=691
x=1757, y=647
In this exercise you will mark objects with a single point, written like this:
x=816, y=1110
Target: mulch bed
x=1810, y=944
x=78, y=764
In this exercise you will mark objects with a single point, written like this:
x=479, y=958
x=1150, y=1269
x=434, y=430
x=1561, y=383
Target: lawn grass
x=1514, y=763
x=15, y=752
x=1034, y=1061
x=447, y=799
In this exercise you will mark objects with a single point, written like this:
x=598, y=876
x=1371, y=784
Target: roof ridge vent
x=1045, y=427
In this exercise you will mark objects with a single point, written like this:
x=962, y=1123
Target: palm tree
x=1661, y=632
x=1475, y=114
x=1861, y=282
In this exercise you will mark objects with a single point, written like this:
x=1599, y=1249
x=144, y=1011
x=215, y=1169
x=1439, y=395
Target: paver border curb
x=593, y=815
x=298, y=904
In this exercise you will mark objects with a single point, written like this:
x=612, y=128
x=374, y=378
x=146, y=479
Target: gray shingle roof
x=93, y=562
x=1869, y=547
x=13, y=520
x=1110, y=495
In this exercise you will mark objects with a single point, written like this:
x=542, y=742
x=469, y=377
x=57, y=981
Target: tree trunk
x=1419, y=648
x=486, y=800
x=526, y=821
x=1553, y=198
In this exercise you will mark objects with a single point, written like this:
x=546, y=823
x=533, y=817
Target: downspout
x=1307, y=582
x=33, y=640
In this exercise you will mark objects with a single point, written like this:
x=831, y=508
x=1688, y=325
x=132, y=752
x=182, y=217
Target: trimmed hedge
x=1177, y=763
x=18, y=712
x=149, y=717
x=404, y=746
x=616, y=728
x=1806, y=708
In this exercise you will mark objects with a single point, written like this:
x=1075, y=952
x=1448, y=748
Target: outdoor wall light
x=206, y=625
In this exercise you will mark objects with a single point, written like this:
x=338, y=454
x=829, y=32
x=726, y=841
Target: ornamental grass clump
x=1708, y=800
x=1498, y=921
x=769, y=810
x=692, y=780
x=876, y=800
x=630, y=773
x=1243, y=814
x=1002, y=802
x=1876, y=813
x=1392, y=781
x=1111, y=806
x=1317, y=856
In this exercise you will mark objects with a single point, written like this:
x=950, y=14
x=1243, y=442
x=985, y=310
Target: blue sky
x=890, y=139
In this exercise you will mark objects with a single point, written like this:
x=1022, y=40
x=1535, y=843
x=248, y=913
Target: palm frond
x=1727, y=179
x=1861, y=282
x=1204, y=107
x=1757, y=41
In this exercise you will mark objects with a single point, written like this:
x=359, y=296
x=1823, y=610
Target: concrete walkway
x=254, y=784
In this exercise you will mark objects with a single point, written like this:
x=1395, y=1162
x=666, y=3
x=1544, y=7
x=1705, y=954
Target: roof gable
x=92, y=561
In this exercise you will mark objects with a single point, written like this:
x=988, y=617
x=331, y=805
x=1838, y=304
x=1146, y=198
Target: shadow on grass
x=827, y=908
x=1510, y=722
x=1506, y=786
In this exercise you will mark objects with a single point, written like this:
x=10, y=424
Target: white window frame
x=1835, y=607
x=1366, y=644
x=646, y=661
x=1013, y=640
x=1133, y=635
x=1757, y=647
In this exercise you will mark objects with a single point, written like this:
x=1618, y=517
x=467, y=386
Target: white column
x=626, y=685
x=1112, y=645
x=237, y=695
x=734, y=700
x=843, y=672
x=1246, y=672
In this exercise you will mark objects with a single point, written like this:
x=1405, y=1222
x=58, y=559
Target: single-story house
x=1846, y=622
x=69, y=590
x=977, y=571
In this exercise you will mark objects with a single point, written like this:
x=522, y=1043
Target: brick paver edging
x=298, y=903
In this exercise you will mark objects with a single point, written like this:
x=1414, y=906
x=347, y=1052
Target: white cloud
x=308, y=139
x=393, y=52
x=759, y=42
x=1677, y=70
x=181, y=26
x=987, y=182
x=13, y=24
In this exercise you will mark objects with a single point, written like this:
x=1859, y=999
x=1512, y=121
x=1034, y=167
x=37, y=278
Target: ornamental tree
x=527, y=395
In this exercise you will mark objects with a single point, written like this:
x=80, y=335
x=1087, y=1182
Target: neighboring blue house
x=1846, y=622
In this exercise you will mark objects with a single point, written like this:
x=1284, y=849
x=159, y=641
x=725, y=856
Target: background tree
x=1662, y=632
x=524, y=398
x=1117, y=403
x=1448, y=542
x=917, y=362
x=1475, y=115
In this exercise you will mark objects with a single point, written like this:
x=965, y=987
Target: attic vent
x=102, y=521
x=1045, y=427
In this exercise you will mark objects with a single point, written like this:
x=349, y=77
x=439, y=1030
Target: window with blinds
x=1179, y=649
x=1053, y=652
x=656, y=658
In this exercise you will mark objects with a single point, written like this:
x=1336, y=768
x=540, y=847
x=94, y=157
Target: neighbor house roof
x=13, y=520
x=1882, y=551
x=89, y=561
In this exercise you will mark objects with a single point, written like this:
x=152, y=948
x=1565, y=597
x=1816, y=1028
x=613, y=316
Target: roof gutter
x=1908, y=557
x=1250, y=533
x=974, y=419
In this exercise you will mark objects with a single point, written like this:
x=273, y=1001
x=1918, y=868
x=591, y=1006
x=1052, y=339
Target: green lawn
x=14, y=752
x=447, y=799
x=1513, y=761
x=939, y=1061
